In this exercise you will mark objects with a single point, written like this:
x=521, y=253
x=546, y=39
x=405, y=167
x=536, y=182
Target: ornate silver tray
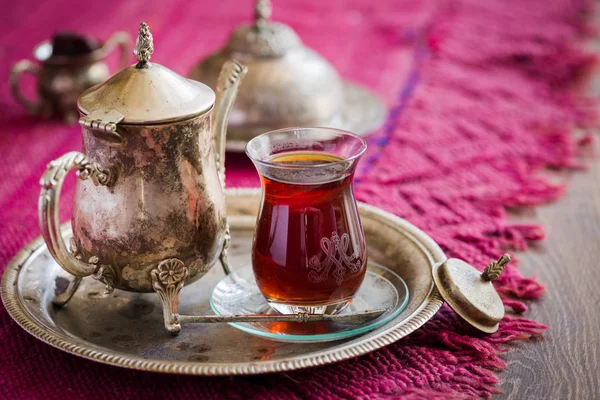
x=125, y=329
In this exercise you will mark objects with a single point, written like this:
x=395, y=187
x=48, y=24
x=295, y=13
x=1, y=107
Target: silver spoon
x=350, y=319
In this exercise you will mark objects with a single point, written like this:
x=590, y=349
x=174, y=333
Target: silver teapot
x=149, y=208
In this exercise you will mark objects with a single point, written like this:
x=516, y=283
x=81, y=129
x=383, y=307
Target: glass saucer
x=238, y=293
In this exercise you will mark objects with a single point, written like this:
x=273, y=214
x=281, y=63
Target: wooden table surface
x=565, y=363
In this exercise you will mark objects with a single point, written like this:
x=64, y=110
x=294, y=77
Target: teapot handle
x=15, y=74
x=231, y=76
x=51, y=182
x=123, y=41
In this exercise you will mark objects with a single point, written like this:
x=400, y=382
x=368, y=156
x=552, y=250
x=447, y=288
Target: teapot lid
x=264, y=38
x=470, y=293
x=147, y=92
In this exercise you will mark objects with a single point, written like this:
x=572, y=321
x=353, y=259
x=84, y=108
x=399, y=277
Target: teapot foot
x=168, y=277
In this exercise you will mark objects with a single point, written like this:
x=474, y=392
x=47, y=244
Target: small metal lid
x=264, y=38
x=147, y=93
x=471, y=293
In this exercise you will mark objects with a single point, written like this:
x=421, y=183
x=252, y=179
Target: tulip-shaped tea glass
x=309, y=252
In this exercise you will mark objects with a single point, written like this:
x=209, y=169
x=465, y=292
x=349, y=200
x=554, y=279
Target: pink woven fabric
x=481, y=96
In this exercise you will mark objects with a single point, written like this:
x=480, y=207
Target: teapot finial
x=144, y=47
x=262, y=12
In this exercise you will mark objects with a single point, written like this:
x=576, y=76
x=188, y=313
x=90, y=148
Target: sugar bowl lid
x=470, y=293
x=264, y=38
x=145, y=92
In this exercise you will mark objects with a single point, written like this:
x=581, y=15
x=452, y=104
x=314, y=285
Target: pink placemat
x=482, y=96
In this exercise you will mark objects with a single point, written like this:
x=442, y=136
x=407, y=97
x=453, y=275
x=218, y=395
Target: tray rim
x=87, y=350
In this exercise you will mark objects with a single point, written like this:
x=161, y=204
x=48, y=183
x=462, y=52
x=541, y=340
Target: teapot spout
x=228, y=85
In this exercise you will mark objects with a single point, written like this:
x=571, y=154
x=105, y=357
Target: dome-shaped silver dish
x=287, y=84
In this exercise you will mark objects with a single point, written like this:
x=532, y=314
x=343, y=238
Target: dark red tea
x=309, y=246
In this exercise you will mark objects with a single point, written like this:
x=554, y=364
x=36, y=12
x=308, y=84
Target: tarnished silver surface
x=362, y=112
x=60, y=80
x=123, y=328
x=156, y=192
x=288, y=84
x=144, y=46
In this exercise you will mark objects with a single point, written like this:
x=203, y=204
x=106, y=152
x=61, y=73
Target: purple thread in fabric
x=379, y=141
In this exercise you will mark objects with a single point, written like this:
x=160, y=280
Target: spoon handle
x=352, y=319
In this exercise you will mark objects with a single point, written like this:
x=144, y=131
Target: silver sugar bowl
x=61, y=79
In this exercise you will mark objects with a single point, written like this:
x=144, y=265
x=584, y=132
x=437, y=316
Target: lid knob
x=262, y=12
x=144, y=47
x=494, y=269
x=470, y=293
x=263, y=38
